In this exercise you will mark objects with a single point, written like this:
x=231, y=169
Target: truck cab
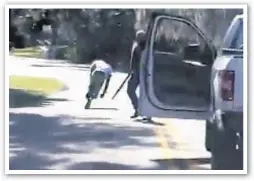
x=182, y=75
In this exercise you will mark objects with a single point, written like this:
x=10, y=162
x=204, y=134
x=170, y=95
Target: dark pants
x=131, y=89
x=96, y=82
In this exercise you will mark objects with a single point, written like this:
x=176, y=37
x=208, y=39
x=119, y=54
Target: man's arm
x=133, y=56
x=93, y=66
x=106, y=86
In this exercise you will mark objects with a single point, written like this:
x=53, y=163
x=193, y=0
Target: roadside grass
x=31, y=91
x=30, y=52
x=45, y=86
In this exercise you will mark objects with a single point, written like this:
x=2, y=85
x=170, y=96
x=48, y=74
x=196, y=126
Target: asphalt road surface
x=60, y=134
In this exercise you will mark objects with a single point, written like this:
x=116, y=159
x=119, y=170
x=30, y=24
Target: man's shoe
x=135, y=115
x=148, y=119
x=88, y=103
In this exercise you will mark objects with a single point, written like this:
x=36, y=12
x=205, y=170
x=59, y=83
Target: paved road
x=61, y=134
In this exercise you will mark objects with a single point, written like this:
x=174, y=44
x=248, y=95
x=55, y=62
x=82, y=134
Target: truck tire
x=227, y=161
x=225, y=156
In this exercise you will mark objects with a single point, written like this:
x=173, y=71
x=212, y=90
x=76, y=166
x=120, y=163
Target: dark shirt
x=38, y=25
x=135, y=57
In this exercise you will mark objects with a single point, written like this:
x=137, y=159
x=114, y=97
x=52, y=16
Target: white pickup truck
x=189, y=79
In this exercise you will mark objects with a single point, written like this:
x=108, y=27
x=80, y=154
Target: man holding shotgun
x=137, y=48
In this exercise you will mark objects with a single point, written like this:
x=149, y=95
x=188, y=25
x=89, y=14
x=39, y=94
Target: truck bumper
x=234, y=122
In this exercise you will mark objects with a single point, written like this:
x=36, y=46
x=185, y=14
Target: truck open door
x=175, y=73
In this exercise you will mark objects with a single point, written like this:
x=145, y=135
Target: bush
x=108, y=33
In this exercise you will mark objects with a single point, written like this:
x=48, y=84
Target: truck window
x=237, y=41
x=184, y=79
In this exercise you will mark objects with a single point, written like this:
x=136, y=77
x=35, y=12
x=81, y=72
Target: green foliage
x=33, y=52
x=45, y=86
x=108, y=33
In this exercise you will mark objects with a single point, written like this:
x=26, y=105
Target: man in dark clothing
x=137, y=48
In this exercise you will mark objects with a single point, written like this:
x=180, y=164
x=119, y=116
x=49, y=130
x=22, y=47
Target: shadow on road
x=73, y=66
x=32, y=161
x=183, y=163
x=144, y=121
x=37, y=141
x=87, y=118
x=103, y=108
x=40, y=142
x=21, y=98
x=167, y=164
x=101, y=166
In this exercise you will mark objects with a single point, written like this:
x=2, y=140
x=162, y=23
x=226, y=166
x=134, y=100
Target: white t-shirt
x=100, y=65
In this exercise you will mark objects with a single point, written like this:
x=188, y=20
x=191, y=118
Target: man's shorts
x=96, y=82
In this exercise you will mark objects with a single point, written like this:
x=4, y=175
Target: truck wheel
x=225, y=156
x=232, y=160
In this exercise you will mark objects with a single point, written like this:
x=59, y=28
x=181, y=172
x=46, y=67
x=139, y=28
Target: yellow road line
x=162, y=133
x=179, y=139
x=173, y=131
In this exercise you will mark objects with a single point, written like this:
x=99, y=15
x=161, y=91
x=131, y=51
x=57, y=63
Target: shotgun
x=121, y=86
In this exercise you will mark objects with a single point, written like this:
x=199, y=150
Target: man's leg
x=131, y=91
x=89, y=95
x=100, y=78
x=90, y=87
x=97, y=80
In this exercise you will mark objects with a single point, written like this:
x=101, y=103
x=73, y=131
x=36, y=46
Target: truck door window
x=179, y=77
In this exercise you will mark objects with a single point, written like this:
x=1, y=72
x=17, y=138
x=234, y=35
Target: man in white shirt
x=100, y=72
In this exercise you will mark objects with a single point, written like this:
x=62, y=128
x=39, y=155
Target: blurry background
x=77, y=35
